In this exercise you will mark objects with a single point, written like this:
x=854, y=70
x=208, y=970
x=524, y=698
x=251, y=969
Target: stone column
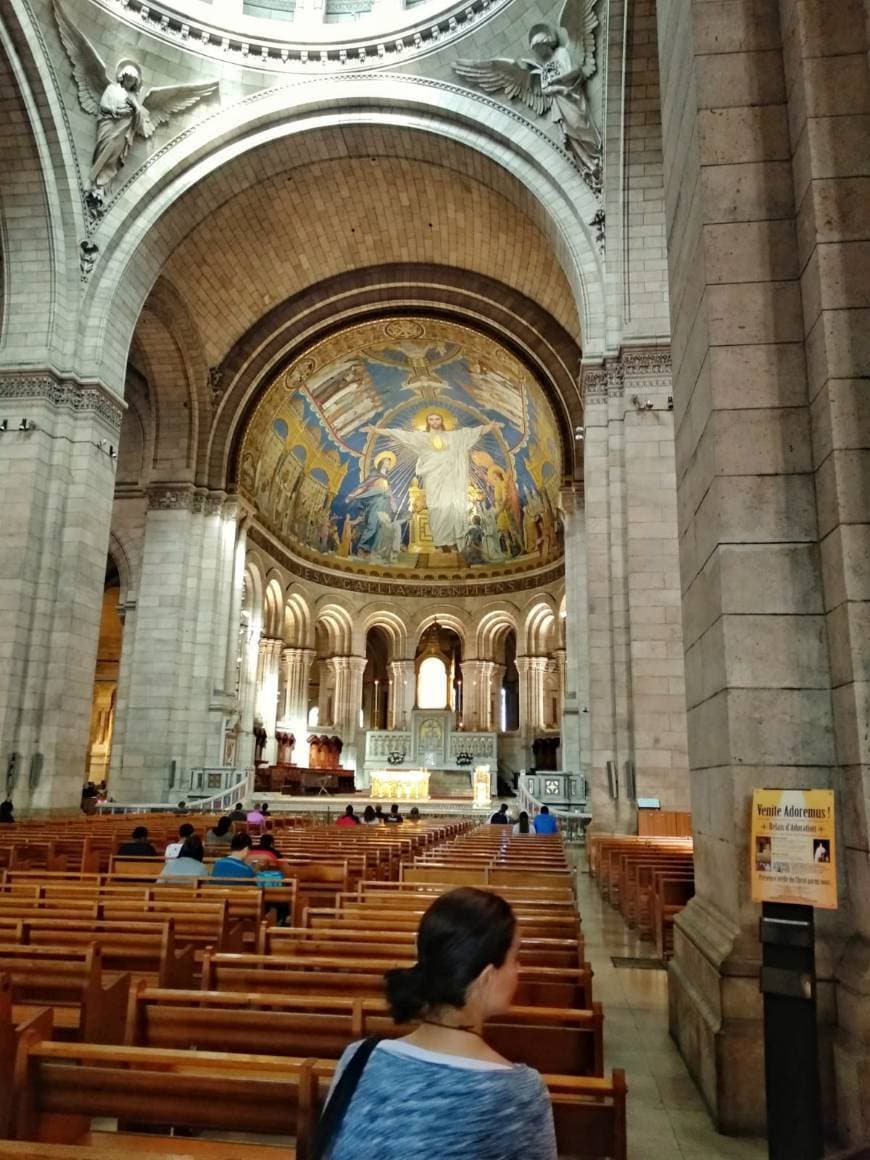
x=326, y=691
x=173, y=690
x=476, y=678
x=403, y=693
x=758, y=684
x=496, y=681
x=57, y=477
x=269, y=672
x=828, y=85
x=532, y=671
x=293, y=716
x=575, y=707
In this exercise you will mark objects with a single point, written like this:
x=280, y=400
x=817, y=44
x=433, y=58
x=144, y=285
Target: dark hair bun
x=406, y=993
x=462, y=933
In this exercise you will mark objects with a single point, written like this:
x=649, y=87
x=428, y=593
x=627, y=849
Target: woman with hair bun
x=442, y=1092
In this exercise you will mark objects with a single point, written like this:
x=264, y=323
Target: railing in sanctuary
x=232, y=785
x=565, y=795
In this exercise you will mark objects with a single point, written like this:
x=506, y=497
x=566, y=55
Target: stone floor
x=667, y=1119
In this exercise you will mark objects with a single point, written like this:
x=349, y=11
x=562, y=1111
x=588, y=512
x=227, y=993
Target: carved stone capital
x=66, y=394
x=647, y=370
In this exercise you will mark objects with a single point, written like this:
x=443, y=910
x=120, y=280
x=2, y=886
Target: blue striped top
x=414, y=1104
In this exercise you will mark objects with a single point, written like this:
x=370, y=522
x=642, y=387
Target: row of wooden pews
x=649, y=879
x=119, y=1006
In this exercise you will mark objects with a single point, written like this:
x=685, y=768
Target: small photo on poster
x=821, y=850
x=763, y=853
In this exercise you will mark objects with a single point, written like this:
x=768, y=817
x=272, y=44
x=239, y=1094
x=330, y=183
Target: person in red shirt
x=348, y=818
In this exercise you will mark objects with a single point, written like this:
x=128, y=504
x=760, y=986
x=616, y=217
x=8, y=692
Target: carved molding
x=185, y=497
x=647, y=369
x=77, y=397
x=593, y=384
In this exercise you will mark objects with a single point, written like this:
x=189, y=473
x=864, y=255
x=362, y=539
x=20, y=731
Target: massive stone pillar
x=496, y=681
x=636, y=667
x=828, y=86
x=476, y=686
x=773, y=538
x=58, y=482
x=293, y=715
x=575, y=705
x=174, y=701
x=403, y=693
x=532, y=671
x=268, y=689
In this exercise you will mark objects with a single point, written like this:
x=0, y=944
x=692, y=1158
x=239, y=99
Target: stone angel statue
x=553, y=83
x=121, y=112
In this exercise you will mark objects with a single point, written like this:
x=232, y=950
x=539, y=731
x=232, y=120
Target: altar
x=434, y=746
x=407, y=785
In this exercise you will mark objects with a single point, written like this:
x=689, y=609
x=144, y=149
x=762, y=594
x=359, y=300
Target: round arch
x=338, y=626
x=393, y=626
x=492, y=626
x=539, y=628
x=273, y=608
x=298, y=631
x=151, y=213
x=447, y=619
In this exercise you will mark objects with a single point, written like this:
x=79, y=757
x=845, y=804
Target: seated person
x=265, y=849
x=6, y=815
x=414, y=815
x=255, y=816
x=181, y=808
x=238, y=813
x=467, y=1101
x=501, y=817
x=545, y=823
x=140, y=847
x=235, y=864
x=220, y=835
x=370, y=818
x=174, y=848
x=187, y=865
x=394, y=817
x=523, y=826
x=348, y=818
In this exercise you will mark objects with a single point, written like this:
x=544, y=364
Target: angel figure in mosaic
x=123, y=112
x=553, y=82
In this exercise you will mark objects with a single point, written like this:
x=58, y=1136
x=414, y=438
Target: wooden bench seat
x=68, y=981
x=564, y=1040
x=281, y=940
x=215, y=1091
x=61, y=1087
x=137, y=949
x=322, y=975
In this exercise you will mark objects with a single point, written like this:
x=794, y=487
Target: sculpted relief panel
x=404, y=445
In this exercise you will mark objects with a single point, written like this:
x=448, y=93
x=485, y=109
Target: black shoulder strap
x=339, y=1101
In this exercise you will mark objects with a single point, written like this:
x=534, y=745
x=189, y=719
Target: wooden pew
x=61, y=1087
x=250, y=1093
x=670, y=894
x=137, y=949
x=570, y=1041
x=364, y=977
x=67, y=980
x=295, y=941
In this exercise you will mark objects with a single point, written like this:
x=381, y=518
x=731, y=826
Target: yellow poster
x=792, y=850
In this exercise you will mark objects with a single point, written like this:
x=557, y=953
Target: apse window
x=432, y=684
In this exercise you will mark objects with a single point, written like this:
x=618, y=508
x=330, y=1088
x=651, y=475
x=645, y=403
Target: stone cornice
x=79, y=398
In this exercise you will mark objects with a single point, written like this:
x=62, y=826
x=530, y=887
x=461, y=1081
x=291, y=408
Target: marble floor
x=667, y=1119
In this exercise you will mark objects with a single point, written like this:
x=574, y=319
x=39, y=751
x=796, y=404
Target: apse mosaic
x=406, y=444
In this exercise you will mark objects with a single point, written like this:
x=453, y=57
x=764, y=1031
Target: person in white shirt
x=174, y=848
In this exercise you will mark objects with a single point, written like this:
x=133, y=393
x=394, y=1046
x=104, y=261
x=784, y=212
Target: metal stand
x=791, y=1055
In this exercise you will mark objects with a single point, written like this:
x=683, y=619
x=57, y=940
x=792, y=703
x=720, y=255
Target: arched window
x=432, y=683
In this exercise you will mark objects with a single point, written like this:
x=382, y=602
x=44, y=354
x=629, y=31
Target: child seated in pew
x=523, y=826
x=189, y=863
x=442, y=1091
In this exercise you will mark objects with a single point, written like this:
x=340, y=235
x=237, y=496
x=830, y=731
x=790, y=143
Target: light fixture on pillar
x=642, y=404
x=579, y=433
x=26, y=425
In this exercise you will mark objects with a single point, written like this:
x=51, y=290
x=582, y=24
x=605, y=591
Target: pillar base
x=852, y=1043
x=715, y=1017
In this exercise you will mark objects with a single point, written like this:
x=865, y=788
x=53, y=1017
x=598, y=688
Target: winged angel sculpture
x=122, y=114
x=553, y=83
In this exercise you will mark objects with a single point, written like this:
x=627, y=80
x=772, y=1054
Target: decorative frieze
x=77, y=397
